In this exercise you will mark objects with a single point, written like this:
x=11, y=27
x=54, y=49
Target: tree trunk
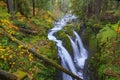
x=7, y=76
x=89, y=10
x=40, y=56
x=33, y=4
x=10, y=6
x=97, y=8
x=104, y=6
x=15, y=6
x=51, y=5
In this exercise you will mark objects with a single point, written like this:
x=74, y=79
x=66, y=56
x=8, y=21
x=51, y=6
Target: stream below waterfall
x=74, y=63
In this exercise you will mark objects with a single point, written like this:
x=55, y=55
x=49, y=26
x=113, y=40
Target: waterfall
x=73, y=63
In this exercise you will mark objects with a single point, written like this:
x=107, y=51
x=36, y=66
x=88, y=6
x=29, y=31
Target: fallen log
x=7, y=76
x=40, y=56
x=28, y=31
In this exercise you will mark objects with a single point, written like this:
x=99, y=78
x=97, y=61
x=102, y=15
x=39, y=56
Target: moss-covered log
x=40, y=56
x=28, y=31
x=7, y=76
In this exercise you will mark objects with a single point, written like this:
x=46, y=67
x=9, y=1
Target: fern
x=105, y=34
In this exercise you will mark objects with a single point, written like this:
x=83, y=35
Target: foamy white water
x=76, y=64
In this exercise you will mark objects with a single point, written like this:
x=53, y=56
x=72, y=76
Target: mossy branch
x=28, y=31
x=40, y=56
x=7, y=76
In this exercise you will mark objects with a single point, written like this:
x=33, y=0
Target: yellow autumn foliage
x=2, y=49
x=4, y=22
x=50, y=20
x=20, y=46
x=2, y=4
x=117, y=29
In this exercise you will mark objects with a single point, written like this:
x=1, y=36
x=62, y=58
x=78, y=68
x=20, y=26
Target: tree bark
x=7, y=76
x=10, y=6
x=15, y=6
x=97, y=8
x=40, y=56
x=33, y=4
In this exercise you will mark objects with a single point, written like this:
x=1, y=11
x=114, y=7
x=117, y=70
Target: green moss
x=105, y=34
x=107, y=57
x=93, y=46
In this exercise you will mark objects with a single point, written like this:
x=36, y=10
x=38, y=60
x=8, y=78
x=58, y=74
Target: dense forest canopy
x=24, y=25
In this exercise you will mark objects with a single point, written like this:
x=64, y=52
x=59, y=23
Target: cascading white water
x=80, y=54
x=76, y=64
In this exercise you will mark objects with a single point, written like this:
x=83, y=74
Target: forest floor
x=33, y=32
